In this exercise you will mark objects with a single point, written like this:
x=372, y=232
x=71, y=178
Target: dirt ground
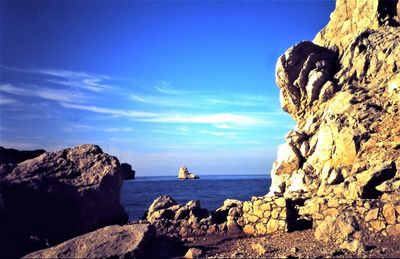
x=299, y=244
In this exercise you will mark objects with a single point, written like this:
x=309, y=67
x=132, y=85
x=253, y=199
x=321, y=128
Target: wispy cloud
x=165, y=87
x=125, y=129
x=206, y=101
x=96, y=109
x=8, y=101
x=42, y=92
x=74, y=79
x=206, y=119
x=219, y=133
x=71, y=127
x=219, y=118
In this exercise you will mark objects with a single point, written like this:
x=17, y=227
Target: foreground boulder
x=57, y=196
x=126, y=241
x=184, y=174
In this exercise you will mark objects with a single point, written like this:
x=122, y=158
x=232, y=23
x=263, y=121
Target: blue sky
x=158, y=84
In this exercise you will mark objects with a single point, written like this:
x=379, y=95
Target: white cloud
x=8, y=101
x=223, y=118
x=82, y=80
x=45, y=93
x=125, y=129
x=219, y=133
x=96, y=109
x=220, y=118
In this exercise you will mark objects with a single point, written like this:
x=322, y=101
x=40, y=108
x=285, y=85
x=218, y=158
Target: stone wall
x=375, y=216
x=265, y=215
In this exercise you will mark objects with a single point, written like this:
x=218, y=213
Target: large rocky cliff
x=342, y=90
x=341, y=163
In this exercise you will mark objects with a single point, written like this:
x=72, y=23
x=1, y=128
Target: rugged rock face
x=126, y=241
x=350, y=135
x=13, y=156
x=59, y=195
x=184, y=174
x=343, y=91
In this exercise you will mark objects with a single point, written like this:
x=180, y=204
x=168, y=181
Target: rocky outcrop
x=127, y=171
x=339, y=170
x=57, y=196
x=341, y=163
x=171, y=218
x=184, y=174
x=126, y=241
x=187, y=220
x=13, y=156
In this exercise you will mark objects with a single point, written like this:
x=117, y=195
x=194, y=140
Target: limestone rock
x=300, y=74
x=342, y=230
x=352, y=17
x=259, y=248
x=193, y=253
x=171, y=218
x=393, y=230
x=65, y=193
x=389, y=213
x=343, y=91
x=184, y=173
x=115, y=241
x=288, y=160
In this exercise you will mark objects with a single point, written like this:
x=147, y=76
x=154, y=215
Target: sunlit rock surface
x=342, y=160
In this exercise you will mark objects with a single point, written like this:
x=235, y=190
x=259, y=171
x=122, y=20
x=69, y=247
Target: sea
x=211, y=190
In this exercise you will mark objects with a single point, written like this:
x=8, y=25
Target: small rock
x=193, y=253
x=259, y=248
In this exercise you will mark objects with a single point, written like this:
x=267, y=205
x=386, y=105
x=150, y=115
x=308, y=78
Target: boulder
x=115, y=241
x=127, y=171
x=193, y=253
x=57, y=196
x=342, y=230
x=171, y=218
x=184, y=173
x=13, y=156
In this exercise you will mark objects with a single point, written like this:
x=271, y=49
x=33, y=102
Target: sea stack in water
x=184, y=174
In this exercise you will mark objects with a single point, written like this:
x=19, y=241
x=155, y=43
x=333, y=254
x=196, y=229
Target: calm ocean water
x=210, y=190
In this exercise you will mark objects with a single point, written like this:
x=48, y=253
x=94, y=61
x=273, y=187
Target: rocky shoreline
x=335, y=183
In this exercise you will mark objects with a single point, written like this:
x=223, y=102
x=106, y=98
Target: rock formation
x=339, y=170
x=57, y=196
x=126, y=241
x=185, y=220
x=343, y=91
x=13, y=156
x=127, y=171
x=184, y=174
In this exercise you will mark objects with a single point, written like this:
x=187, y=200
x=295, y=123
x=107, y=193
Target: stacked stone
x=171, y=218
x=265, y=215
x=384, y=216
x=381, y=215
